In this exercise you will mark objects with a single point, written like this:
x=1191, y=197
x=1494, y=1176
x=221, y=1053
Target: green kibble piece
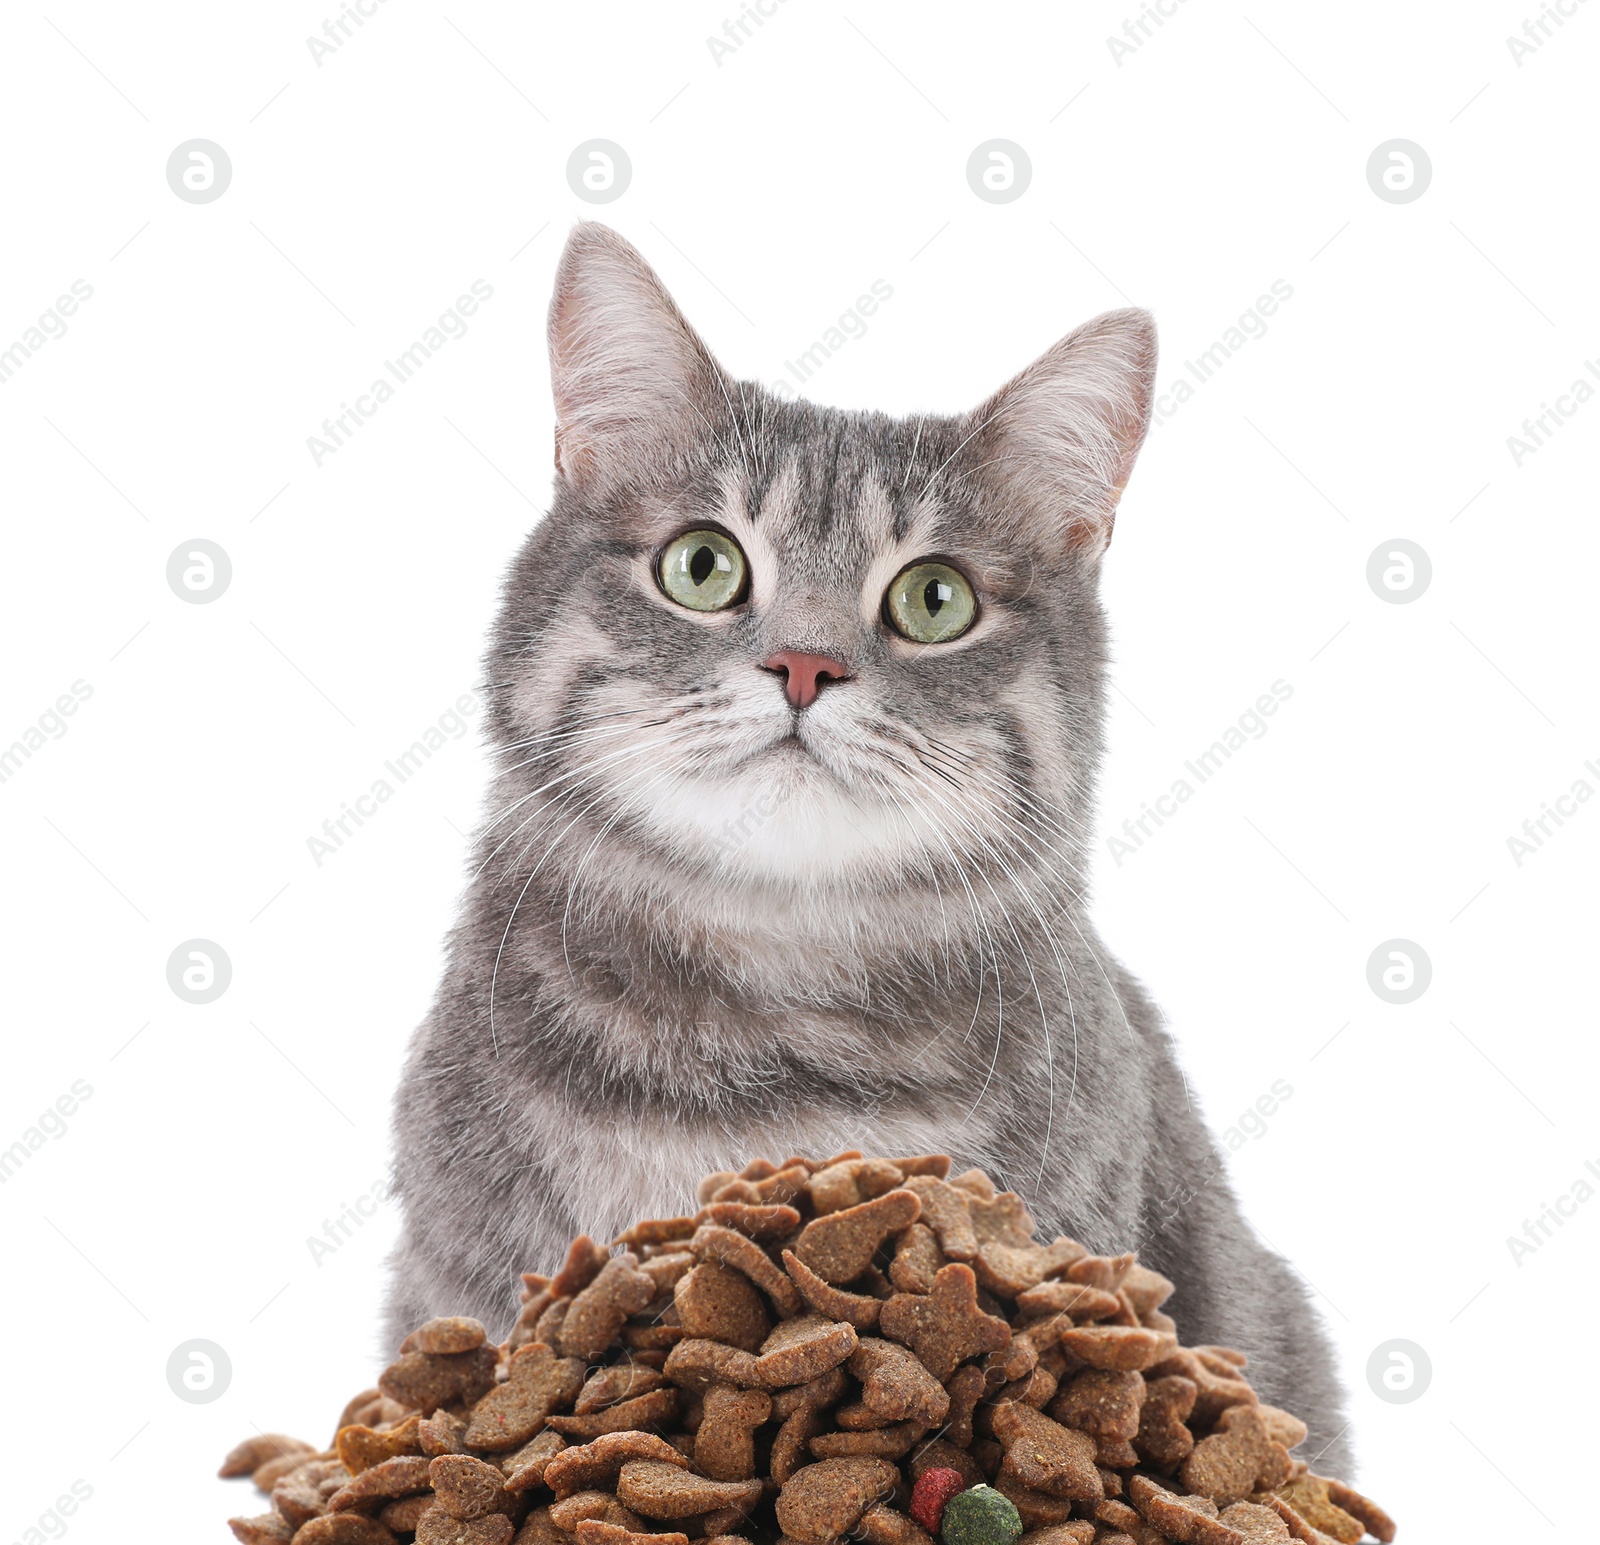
x=980, y=1516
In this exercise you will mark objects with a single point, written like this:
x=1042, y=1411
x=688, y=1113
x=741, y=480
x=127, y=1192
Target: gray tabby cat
x=799, y=712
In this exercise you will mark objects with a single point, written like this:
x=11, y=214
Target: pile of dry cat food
x=861, y=1348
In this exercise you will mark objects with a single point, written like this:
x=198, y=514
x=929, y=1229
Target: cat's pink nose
x=805, y=673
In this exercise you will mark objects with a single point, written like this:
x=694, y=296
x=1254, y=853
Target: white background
x=1226, y=152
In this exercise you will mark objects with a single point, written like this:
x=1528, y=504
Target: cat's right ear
x=633, y=384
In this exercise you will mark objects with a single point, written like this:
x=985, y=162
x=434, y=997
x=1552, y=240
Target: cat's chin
x=790, y=749
x=783, y=815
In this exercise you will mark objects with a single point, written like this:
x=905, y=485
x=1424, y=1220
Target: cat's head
x=769, y=640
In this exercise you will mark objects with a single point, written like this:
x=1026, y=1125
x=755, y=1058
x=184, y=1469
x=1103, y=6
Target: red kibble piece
x=934, y=1488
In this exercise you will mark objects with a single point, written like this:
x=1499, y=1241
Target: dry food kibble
x=592, y=1531
x=980, y=1516
x=1042, y=1455
x=782, y=1185
x=595, y=1316
x=945, y=1212
x=437, y=1527
x=917, y=1259
x=825, y=1500
x=659, y=1406
x=537, y=1383
x=1310, y=1498
x=343, y=1529
x=884, y=1525
x=1012, y=1269
x=1257, y=1524
x=891, y=1442
x=858, y=1309
x=1122, y=1347
x=451, y=1333
x=944, y=1326
x=896, y=1385
x=713, y=1243
x=248, y=1457
x=597, y=1464
x=965, y=1387
x=1229, y=1466
x=264, y=1529
x=424, y=1381
x=839, y=1246
x=526, y=1468
x=933, y=1490
x=1101, y=1401
x=1282, y=1426
x=402, y=1515
x=274, y=1470
x=1214, y=1392
x=467, y=1488
x=398, y=1477
x=1191, y=1520
x=1079, y=1532
x=803, y=1349
x=725, y=1445
x=859, y=1348
x=361, y=1447
x=569, y=1512
x=659, y=1490
x=697, y=1364
x=1378, y=1523
x=716, y=1302
x=611, y=1385
x=791, y=1447
x=851, y=1182
x=763, y=1223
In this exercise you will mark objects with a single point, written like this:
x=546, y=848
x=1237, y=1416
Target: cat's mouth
x=790, y=747
x=793, y=749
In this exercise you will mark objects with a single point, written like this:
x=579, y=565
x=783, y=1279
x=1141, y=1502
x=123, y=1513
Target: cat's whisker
x=1076, y=897
x=733, y=418
x=1044, y=823
x=681, y=703
x=1113, y=995
x=578, y=784
x=940, y=772
x=1051, y=941
x=581, y=741
x=911, y=459
x=977, y=430
x=999, y=981
x=586, y=721
x=1007, y=797
x=900, y=805
x=572, y=772
x=510, y=920
x=556, y=807
x=650, y=786
x=971, y=770
x=583, y=738
x=755, y=439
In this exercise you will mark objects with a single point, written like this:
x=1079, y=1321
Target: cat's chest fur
x=649, y=1167
x=589, y=1110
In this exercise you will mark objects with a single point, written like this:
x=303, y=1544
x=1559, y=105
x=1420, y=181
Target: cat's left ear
x=1061, y=437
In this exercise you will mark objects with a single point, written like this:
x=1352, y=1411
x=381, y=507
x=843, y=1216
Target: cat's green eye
x=931, y=603
x=704, y=570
